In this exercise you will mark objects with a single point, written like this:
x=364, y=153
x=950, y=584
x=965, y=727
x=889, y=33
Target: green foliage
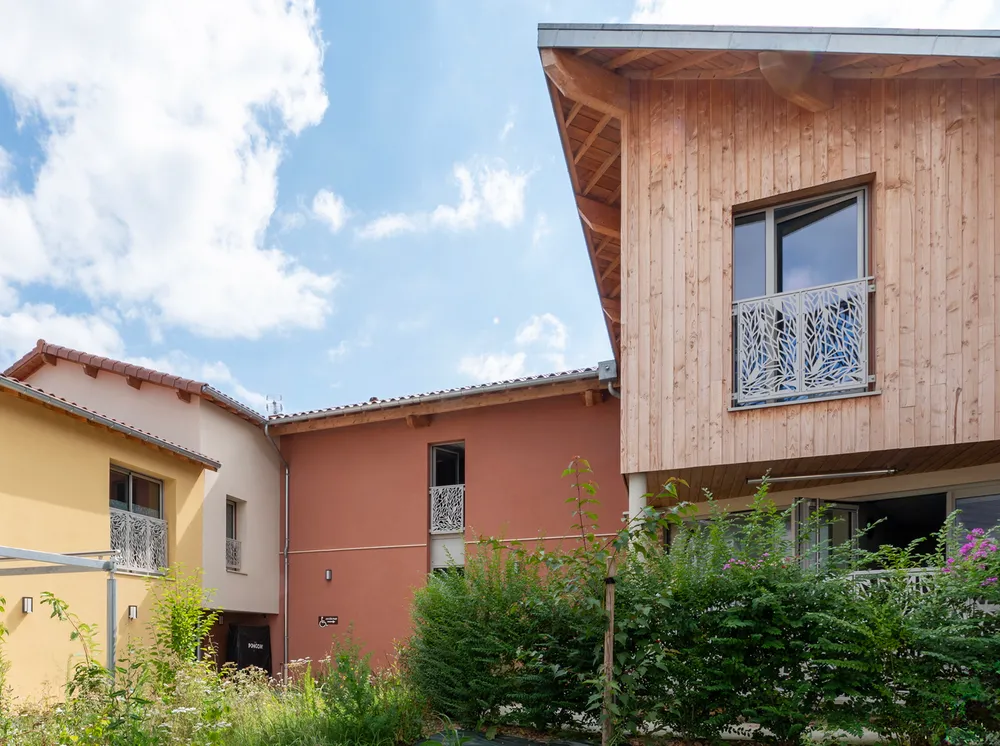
x=724, y=631
x=180, y=621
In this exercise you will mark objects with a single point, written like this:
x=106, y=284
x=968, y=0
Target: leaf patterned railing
x=802, y=343
x=448, y=509
x=139, y=541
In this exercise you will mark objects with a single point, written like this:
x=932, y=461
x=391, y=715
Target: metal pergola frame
x=53, y=562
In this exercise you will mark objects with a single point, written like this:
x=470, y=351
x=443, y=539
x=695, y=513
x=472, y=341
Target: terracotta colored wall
x=366, y=486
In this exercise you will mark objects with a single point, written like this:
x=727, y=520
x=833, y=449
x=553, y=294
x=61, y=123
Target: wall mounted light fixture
x=27, y=604
x=133, y=612
x=329, y=575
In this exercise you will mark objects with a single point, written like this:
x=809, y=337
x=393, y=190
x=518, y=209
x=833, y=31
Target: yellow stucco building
x=74, y=481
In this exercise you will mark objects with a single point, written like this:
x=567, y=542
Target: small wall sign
x=327, y=621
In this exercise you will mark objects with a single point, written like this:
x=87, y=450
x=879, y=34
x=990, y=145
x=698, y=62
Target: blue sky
x=323, y=202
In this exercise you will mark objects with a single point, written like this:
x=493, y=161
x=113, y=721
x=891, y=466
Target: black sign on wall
x=249, y=646
x=327, y=621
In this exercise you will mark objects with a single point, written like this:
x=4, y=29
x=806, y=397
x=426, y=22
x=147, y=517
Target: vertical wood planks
x=694, y=150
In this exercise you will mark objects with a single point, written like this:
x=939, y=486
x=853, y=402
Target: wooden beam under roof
x=912, y=66
x=626, y=58
x=842, y=60
x=592, y=138
x=791, y=76
x=612, y=309
x=688, y=60
x=602, y=169
x=587, y=83
x=544, y=390
x=599, y=217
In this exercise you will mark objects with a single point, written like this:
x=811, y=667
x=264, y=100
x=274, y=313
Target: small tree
x=180, y=620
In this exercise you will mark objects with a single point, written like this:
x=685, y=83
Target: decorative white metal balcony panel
x=140, y=541
x=448, y=509
x=802, y=343
x=234, y=554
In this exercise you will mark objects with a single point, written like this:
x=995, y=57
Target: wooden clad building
x=794, y=238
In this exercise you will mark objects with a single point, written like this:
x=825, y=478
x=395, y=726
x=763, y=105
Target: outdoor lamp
x=133, y=612
x=27, y=604
x=329, y=575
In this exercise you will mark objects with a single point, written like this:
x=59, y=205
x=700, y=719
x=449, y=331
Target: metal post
x=112, y=625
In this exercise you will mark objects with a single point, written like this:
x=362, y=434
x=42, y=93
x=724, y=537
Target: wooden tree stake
x=607, y=728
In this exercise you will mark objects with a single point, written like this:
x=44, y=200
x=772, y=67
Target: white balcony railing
x=234, y=554
x=140, y=541
x=448, y=509
x=802, y=343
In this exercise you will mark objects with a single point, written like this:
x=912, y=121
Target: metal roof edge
x=548, y=380
x=897, y=41
x=54, y=401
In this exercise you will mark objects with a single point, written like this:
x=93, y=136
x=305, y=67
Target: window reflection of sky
x=749, y=280
x=820, y=248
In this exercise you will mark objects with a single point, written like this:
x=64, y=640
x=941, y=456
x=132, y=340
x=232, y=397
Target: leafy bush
x=725, y=630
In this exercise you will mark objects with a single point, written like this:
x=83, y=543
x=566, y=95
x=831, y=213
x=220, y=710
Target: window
x=234, y=547
x=231, y=519
x=800, y=300
x=981, y=511
x=135, y=493
x=447, y=505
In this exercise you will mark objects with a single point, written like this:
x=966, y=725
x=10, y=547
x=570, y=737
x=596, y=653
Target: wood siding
x=694, y=149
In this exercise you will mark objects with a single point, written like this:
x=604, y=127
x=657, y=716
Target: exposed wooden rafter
x=414, y=421
x=612, y=265
x=912, y=66
x=592, y=137
x=91, y=370
x=720, y=73
x=842, y=60
x=583, y=81
x=612, y=308
x=602, y=170
x=599, y=217
x=791, y=76
x=626, y=58
x=49, y=358
x=687, y=61
x=134, y=381
x=573, y=112
x=184, y=396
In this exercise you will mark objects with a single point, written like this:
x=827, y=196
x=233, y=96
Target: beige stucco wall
x=153, y=408
x=250, y=474
x=54, y=498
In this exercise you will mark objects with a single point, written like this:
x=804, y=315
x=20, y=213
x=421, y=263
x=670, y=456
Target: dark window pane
x=819, y=248
x=979, y=512
x=749, y=247
x=119, y=490
x=145, y=497
x=230, y=520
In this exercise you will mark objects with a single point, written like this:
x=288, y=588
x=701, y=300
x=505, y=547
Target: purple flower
x=726, y=566
x=989, y=581
x=951, y=561
x=976, y=532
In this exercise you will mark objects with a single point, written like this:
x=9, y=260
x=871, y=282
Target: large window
x=136, y=493
x=800, y=300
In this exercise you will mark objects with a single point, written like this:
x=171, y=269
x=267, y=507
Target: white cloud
x=508, y=126
x=163, y=130
x=913, y=13
x=541, y=230
x=21, y=329
x=329, y=208
x=543, y=336
x=338, y=353
x=387, y=226
x=487, y=194
x=493, y=367
x=545, y=329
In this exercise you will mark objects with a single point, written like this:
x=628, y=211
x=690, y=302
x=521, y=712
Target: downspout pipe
x=284, y=560
x=613, y=391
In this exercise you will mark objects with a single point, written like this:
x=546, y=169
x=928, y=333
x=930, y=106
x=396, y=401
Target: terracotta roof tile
x=480, y=388
x=35, y=359
x=44, y=397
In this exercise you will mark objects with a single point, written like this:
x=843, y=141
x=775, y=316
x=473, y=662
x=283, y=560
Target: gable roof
x=445, y=400
x=27, y=392
x=44, y=353
x=590, y=69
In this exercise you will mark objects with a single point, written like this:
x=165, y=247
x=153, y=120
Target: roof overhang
x=136, y=376
x=590, y=69
x=417, y=410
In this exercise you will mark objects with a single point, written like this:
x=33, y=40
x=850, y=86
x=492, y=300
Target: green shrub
x=727, y=630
